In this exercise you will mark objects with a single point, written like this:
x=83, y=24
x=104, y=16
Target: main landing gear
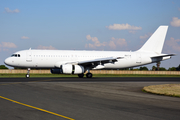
x=28, y=71
x=88, y=75
x=81, y=75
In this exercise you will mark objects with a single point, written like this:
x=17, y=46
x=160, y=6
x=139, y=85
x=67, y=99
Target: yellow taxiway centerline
x=40, y=109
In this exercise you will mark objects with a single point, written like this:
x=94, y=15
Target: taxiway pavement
x=85, y=99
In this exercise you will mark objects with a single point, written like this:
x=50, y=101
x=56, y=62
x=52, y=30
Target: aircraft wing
x=94, y=62
x=100, y=60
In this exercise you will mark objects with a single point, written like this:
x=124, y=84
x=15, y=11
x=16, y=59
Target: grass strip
x=133, y=75
x=34, y=75
x=165, y=89
x=94, y=75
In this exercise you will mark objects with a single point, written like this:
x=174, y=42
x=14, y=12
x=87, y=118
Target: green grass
x=35, y=75
x=164, y=89
x=133, y=75
x=94, y=75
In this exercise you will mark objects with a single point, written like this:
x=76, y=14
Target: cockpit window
x=15, y=55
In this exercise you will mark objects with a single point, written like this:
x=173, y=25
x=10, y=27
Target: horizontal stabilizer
x=163, y=55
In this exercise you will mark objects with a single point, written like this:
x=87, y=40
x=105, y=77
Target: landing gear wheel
x=89, y=75
x=28, y=71
x=27, y=75
x=81, y=75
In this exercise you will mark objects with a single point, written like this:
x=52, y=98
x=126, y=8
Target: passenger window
x=15, y=55
x=18, y=55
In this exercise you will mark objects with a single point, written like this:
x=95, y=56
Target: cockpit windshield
x=15, y=55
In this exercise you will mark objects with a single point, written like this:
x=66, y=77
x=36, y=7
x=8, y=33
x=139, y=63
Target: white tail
x=156, y=41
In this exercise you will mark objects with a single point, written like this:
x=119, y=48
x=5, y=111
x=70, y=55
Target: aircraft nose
x=7, y=61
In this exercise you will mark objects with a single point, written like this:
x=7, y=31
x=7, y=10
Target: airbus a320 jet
x=78, y=62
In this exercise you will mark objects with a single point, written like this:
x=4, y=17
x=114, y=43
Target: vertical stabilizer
x=156, y=41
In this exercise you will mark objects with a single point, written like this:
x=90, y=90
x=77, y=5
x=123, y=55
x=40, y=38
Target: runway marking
x=40, y=109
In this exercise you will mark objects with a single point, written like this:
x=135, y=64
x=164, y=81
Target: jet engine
x=68, y=69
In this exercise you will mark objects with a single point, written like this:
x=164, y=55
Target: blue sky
x=88, y=25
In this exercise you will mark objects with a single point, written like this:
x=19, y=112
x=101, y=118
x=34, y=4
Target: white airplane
x=78, y=62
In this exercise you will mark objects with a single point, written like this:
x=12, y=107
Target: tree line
x=154, y=68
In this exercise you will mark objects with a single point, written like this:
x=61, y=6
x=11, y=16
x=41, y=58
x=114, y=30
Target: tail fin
x=156, y=41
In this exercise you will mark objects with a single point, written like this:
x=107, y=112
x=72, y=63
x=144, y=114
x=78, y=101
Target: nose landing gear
x=28, y=71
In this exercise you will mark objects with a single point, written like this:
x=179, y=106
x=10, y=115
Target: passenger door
x=29, y=56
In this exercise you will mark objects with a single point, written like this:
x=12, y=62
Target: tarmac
x=86, y=99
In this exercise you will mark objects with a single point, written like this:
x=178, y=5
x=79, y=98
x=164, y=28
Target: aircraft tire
x=27, y=76
x=81, y=75
x=89, y=75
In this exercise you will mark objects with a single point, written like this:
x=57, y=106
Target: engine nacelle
x=68, y=69
x=72, y=69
